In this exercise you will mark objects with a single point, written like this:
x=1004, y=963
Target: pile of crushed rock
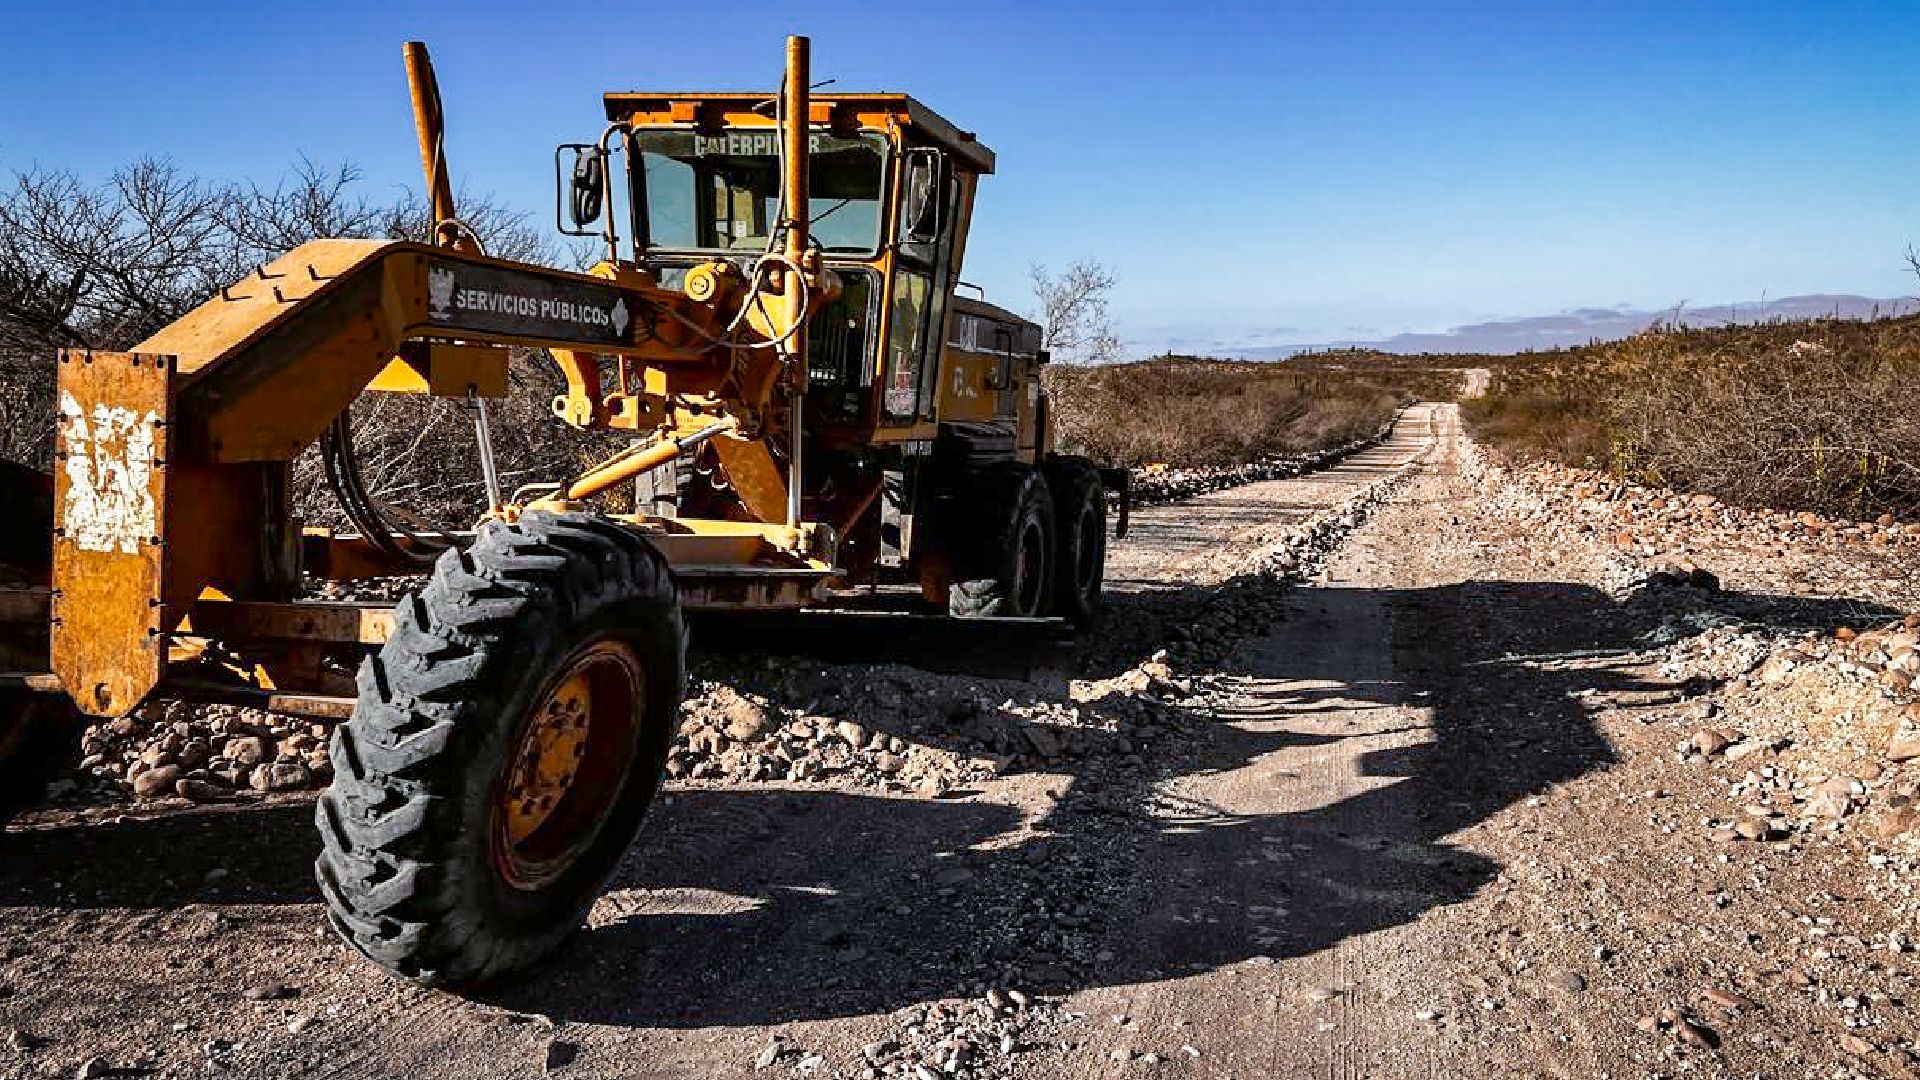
x=1163, y=484
x=204, y=753
x=900, y=729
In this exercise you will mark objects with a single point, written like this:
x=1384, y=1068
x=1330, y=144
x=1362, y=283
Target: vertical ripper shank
x=797, y=110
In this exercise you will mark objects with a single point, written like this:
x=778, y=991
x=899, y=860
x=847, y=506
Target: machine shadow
x=773, y=907
x=238, y=854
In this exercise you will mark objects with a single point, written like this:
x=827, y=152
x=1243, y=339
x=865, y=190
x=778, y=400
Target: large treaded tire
x=1080, y=514
x=39, y=737
x=409, y=864
x=1004, y=563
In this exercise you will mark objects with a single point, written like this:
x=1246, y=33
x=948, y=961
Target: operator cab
x=891, y=187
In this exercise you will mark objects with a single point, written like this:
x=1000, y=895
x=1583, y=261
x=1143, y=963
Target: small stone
x=93, y=1069
x=1696, y=1035
x=299, y=1024
x=1830, y=802
x=1904, y=748
x=1748, y=828
x=248, y=750
x=767, y=1057
x=1897, y=822
x=1857, y=1046
x=1710, y=741
x=561, y=1053
x=157, y=782
x=745, y=721
x=281, y=776
x=201, y=791
x=1319, y=993
x=268, y=992
x=1728, y=1000
x=1570, y=981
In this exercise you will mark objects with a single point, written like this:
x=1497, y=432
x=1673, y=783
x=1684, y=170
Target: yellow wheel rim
x=570, y=763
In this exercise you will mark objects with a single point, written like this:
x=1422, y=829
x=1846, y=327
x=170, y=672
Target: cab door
x=922, y=283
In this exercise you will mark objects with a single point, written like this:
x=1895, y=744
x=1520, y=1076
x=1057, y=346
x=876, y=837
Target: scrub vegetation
x=1188, y=411
x=1811, y=415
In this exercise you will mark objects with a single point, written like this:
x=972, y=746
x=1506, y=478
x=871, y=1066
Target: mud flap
x=110, y=474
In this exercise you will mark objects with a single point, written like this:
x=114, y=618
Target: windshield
x=722, y=192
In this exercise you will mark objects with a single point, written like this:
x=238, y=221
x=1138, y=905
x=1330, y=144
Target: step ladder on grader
x=780, y=335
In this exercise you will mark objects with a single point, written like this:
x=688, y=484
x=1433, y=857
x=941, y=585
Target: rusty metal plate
x=110, y=471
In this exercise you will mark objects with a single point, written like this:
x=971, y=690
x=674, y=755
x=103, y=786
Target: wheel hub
x=575, y=750
x=549, y=756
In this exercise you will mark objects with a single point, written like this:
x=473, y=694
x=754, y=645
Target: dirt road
x=1409, y=818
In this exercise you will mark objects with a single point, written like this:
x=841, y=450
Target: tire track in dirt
x=1280, y=848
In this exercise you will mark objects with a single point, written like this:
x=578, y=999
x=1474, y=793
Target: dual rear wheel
x=1032, y=542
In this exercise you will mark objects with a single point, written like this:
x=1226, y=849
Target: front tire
x=507, y=741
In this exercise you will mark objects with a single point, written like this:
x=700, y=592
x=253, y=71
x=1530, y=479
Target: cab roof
x=851, y=109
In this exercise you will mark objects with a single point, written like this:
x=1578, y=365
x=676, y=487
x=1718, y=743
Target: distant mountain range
x=1582, y=325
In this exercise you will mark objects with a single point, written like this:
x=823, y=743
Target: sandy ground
x=1423, y=825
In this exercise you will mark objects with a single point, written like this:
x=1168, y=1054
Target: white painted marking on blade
x=109, y=506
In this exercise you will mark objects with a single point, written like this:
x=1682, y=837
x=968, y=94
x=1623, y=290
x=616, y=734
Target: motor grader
x=812, y=411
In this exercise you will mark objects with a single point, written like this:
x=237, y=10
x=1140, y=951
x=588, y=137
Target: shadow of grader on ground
x=764, y=906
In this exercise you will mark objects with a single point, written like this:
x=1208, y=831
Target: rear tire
x=507, y=741
x=39, y=738
x=1080, y=562
x=1006, y=567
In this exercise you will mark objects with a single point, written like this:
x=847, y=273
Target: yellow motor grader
x=811, y=407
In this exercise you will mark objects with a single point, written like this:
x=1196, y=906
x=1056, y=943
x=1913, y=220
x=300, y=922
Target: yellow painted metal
x=430, y=124
x=111, y=471
x=967, y=390
x=445, y=369
x=631, y=465
x=756, y=478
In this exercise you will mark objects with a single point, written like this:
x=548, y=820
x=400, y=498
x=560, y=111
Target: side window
x=906, y=343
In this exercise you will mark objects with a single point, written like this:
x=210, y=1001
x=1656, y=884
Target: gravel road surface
x=1371, y=772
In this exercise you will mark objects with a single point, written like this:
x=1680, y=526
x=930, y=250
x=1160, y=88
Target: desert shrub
x=1187, y=411
x=1811, y=414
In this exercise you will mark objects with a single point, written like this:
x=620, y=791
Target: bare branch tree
x=1073, y=312
x=104, y=266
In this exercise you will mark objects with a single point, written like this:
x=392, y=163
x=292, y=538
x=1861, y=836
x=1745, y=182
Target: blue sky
x=1253, y=173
